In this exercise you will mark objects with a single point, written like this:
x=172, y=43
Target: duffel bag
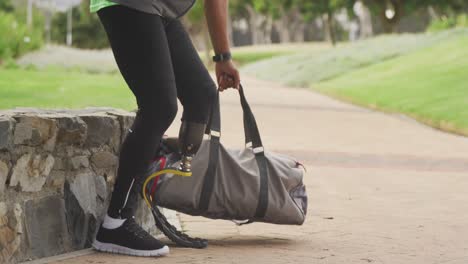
x=249, y=184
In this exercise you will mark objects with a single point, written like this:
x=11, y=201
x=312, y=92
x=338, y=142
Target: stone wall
x=57, y=169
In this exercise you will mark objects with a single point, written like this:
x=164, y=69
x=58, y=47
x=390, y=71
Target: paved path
x=383, y=189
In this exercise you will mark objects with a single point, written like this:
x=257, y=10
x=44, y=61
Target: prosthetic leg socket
x=190, y=139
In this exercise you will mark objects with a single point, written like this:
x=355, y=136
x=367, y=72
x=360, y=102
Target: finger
x=222, y=83
x=237, y=80
x=230, y=82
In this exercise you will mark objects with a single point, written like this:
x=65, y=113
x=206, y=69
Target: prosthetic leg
x=189, y=141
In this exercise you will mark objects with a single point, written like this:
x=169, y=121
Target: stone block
x=104, y=159
x=101, y=187
x=71, y=130
x=125, y=119
x=3, y=176
x=81, y=224
x=56, y=179
x=83, y=188
x=3, y=214
x=6, y=132
x=10, y=231
x=7, y=252
x=3, y=221
x=60, y=164
x=79, y=162
x=17, y=222
x=31, y=171
x=46, y=225
x=7, y=235
x=35, y=131
x=102, y=130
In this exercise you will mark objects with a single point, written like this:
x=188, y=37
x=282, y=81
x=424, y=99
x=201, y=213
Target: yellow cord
x=165, y=171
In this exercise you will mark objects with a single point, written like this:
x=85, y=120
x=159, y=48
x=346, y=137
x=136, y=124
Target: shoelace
x=134, y=228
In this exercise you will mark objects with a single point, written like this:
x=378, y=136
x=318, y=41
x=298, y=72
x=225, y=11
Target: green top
x=96, y=5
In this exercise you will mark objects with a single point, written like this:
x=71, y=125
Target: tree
x=6, y=6
x=325, y=9
x=196, y=22
x=288, y=20
x=365, y=19
x=449, y=7
x=259, y=17
x=390, y=12
x=87, y=29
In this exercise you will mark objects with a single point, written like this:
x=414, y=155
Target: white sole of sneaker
x=112, y=248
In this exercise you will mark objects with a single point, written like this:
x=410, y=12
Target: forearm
x=216, y=18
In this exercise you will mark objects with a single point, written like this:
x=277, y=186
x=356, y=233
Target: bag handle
x=251, y=132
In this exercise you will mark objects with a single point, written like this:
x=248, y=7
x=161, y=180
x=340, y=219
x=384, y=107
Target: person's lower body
x=159, y=64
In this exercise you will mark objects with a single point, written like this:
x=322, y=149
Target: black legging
x=159, y=64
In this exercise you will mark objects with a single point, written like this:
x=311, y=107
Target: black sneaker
x=129, y=239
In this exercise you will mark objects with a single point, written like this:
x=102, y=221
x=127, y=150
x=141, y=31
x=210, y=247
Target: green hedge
x=448, y=22
x=15, y=38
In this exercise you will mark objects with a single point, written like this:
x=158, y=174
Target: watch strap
x=222, y=57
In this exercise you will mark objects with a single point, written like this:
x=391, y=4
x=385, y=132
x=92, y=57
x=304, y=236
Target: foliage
x=407, y=7
x=196, y=14
x=87, y=29
x=444, y=23
x=6, y=6
x=16, y=39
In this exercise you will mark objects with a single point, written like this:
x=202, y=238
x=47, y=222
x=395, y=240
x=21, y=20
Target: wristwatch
x=222, y=57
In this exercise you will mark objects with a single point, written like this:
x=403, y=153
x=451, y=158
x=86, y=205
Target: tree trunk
x=389, y=25
x=69, y=39
x=365, y=20
x=29, y=15
x=252, y=21
x=267, y=28
x=260, y=26
x=281, y=26
x=330, y=25
x=47, y=25
x=297, y=25
x=432, y=13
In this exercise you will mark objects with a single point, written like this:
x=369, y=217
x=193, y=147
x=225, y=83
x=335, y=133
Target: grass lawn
x=423, y=75
x=250, y=54
x=75, y=78
x=54, y=88
x=430, y=85
x=307, y=67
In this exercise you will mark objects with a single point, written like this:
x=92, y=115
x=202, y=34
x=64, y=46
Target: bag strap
x=251, y=131
x=214, y=130
x=214, y=120
x=252, y=135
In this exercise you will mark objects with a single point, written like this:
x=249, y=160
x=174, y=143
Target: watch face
x=222, y=57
